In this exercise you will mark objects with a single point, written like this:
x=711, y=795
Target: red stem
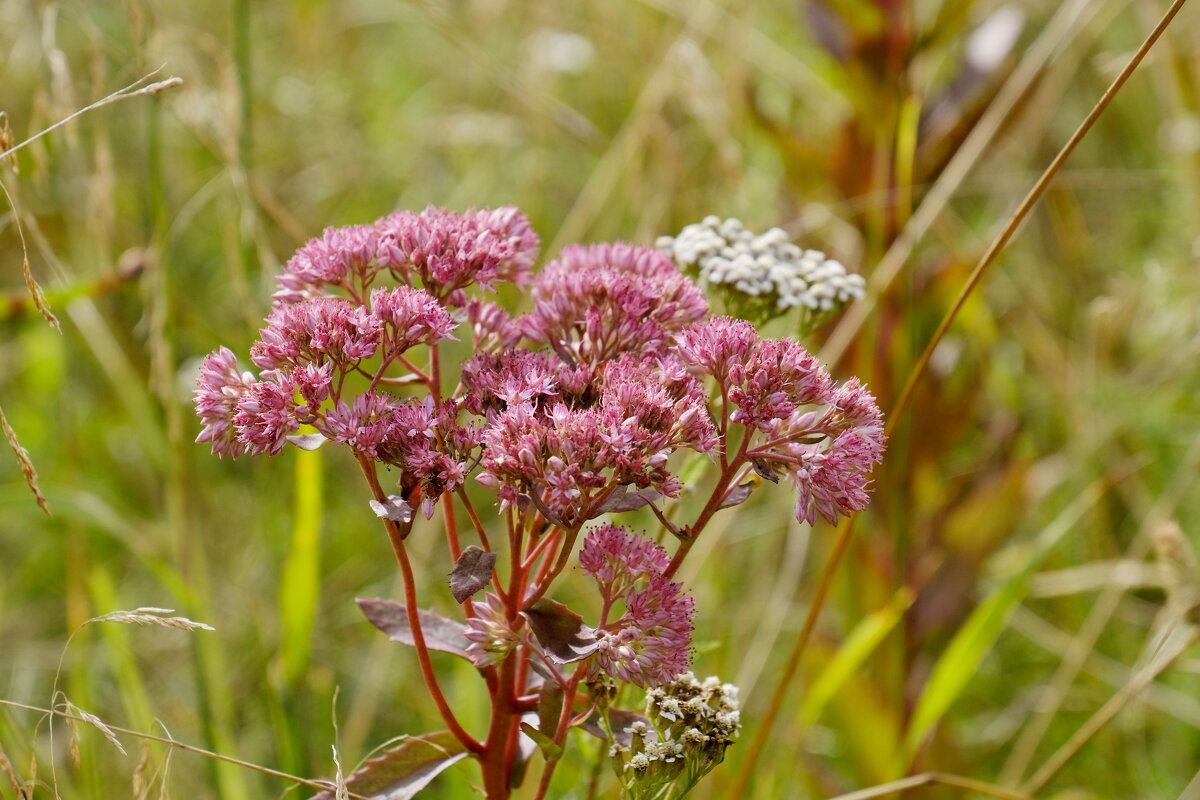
x=396, y=534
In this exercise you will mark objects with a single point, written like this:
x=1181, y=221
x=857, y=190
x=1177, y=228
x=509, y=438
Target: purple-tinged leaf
x=472, y=572
x=764, y=470
x=394, y=509
x=391, y=617
x=401, y=771
x=635, y=500
x=619, y=720
x=737, y=495
x=560, y=631
x=307, y=441
x=610, y=502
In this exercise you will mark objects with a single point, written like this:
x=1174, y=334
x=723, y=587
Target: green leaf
x=402, y=771
x=549, y=748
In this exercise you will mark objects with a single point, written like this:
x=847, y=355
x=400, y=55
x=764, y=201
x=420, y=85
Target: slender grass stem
x=1026, y=205
x=1105, y=713
x=149, y=737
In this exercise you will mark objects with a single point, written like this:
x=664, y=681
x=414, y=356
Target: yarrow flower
x=691, y=725
x=765, y=269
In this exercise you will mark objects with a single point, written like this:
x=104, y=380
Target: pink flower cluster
x=596, y=302
x=826, y=437
x=566, y=451
x=627, y=370
x=441, y=251
x=449, y=251
x=651, y=642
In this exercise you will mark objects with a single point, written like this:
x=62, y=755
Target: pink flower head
x=618, y=559
x=494, y=381
x=410, y=317
x=564, y=452
x=403, y=434
x=780, y=376
x=340, y=257
x=491, y=326
x=267, y=413
x=596, y=302
x=449, y=251
x=219, y=389
x=718, y=346
x=660, y=407
x=315, y=330
x=651, y=644
x=491, y=635
x=829, y=455
x=835, y=481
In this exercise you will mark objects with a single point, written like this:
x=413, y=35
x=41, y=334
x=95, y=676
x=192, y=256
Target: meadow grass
x=1001, y=593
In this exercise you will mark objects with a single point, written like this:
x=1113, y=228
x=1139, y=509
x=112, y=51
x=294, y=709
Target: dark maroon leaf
x=472, y=572
x=737, y=495
x=560, y=631
x=764, y=470
x=618, y=719
x=391, y=617
x=401, y=771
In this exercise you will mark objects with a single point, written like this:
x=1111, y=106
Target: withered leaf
x=764, y=470
x=737, y=495
x=307, y=441
x=394, y=508
x=472, y=572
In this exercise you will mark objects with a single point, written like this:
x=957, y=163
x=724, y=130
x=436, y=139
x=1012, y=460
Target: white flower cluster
x=693, y=722
x=765, y=266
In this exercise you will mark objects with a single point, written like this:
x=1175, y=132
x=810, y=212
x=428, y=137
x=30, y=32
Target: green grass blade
x=300, y=585
x=975, y=638
x=862, y=641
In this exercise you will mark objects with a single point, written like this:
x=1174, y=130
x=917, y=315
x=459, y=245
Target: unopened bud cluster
x=692, y=723
x=767, y=268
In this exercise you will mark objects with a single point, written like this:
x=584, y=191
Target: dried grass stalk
x=27, y=468
x=151, y=615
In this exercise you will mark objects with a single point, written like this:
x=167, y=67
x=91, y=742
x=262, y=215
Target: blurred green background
x=1054, y=434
